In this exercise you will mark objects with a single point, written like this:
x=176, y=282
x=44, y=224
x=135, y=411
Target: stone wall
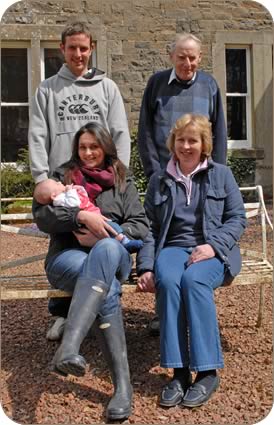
x=137, y=32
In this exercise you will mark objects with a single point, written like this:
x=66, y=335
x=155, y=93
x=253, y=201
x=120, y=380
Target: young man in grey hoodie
x=62, y=104
x=74, y=96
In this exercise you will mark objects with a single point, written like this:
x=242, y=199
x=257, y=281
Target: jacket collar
x=173, y=169
x=166, y=179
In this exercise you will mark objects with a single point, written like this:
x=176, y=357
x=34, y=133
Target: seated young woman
x=84, y=260
x=197, y=218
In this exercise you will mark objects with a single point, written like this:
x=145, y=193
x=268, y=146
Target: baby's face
x=58, y=188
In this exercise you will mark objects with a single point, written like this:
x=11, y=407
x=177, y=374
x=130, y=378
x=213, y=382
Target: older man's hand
x=146, y=283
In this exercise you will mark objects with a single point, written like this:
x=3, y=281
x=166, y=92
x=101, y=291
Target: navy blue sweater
x=164, y=103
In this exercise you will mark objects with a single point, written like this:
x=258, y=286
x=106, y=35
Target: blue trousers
x=189, y=332
x=107, y=261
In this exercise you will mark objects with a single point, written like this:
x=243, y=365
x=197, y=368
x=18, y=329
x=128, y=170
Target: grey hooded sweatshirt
x=61, y=105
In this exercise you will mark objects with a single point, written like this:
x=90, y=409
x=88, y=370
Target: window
x=238, y=96
x=246, y=74
x=14, y=102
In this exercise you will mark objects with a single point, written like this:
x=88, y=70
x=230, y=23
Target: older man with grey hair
x=171, y=93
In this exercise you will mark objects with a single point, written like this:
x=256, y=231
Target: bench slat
x=37, y=286
x=19, y=216
x=34, y=291
x=23, y=231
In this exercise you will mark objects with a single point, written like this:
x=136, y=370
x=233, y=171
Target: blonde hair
x=201, y=123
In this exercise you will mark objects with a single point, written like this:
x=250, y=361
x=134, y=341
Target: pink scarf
x=94, y=180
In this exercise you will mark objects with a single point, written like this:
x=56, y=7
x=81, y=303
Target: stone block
x=70, y=6
x=115, y=46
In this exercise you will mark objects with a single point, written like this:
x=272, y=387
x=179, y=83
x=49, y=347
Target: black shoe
x=154, y=326
x=56, y=331
x=201, y=391
x=173, y=393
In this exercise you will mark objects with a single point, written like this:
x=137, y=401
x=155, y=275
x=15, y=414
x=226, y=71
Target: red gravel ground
x=31, y=394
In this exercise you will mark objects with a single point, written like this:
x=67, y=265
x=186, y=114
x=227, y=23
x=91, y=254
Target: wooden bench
x=256, y=268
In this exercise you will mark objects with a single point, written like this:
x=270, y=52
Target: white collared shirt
x=173, y=76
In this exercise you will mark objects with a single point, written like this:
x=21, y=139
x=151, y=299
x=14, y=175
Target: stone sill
x=246, y=153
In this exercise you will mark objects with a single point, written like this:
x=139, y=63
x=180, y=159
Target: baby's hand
x=68, y=187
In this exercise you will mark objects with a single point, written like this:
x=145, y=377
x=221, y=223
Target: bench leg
x=261, y=307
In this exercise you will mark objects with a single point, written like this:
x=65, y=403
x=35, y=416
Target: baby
x=55, y=192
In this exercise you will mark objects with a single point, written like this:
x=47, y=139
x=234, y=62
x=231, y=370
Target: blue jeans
x=189, y=332
x=107, y=261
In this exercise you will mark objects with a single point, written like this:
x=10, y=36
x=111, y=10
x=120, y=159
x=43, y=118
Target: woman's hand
x=200, y=253
x=96, y=223
x=146, y=283
x=86, y=238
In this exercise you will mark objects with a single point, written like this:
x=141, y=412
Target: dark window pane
x=236, y=78
x=14, y=75
x=53, y=62
x=236, y=118
x=14, y=131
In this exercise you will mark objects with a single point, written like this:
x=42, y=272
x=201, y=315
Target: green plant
x=23, y=160
x=243, y=170
x=18, y=207
x=17, y=181
x=136, y=165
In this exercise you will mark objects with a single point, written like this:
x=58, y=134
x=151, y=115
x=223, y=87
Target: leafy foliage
x=243, y=170
x=136, y=165
x=16, y=180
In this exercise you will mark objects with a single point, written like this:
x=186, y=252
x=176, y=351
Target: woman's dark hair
x=105, y=141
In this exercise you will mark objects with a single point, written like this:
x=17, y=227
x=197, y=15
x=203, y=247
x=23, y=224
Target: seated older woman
x=85, y=261
x=197, y=217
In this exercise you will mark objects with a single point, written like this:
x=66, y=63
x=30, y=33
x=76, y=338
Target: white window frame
x=19, y=45
x=238, y=144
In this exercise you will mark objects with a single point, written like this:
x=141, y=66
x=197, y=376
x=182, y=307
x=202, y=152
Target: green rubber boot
x=86, y=302
x=115, y=351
